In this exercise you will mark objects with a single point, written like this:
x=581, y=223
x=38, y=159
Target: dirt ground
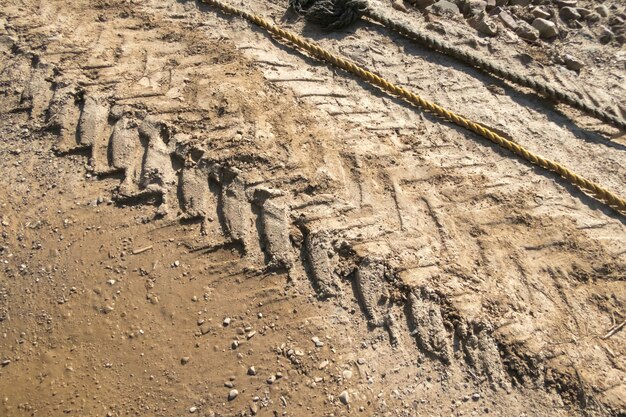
x=196, y=219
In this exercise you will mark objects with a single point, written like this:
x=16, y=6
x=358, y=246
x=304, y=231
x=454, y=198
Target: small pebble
x=573, y=63
x=232, y=394
x=317, y=341
x=602, y=10
x=546, y=28
x=344, y=397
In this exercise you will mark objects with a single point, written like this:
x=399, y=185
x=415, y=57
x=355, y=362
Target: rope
x=315, y=50
x=336, y=14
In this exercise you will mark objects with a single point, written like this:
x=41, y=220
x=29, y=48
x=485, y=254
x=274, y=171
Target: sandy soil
x=198, y=220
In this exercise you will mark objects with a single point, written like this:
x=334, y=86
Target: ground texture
x=197, y=219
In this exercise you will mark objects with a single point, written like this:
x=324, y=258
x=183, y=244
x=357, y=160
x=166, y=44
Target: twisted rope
x=315, y=50
x=336, y=14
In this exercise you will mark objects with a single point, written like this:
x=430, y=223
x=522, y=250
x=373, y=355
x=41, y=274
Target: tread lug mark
x=275, y=225
x=38, y=92
x=94, y=131
x=371, y=290
x=92, y=121
x=195, y=193
x=124, y=153
x=62, y=117
x=233, y=195
x=236, y=212
x=429, y=331
x=317, y=247
x=481, y=352
x=157, y=173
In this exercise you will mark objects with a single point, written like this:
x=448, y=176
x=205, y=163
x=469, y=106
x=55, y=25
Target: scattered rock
x=322, y=364
x=251, y=371
x=606, y=34
x=508, y=20
x=205, y=328
x=226, y=321
x=444, y=7
x=602, y=10
x=399, y=5
x=184, y=360
x=569, y=13
x=344, y=397
x=566, y=3
x=573, y=63
x=483, y=24
x=232, y=394
x=193, y=409
x=527, y=32
x=423, y=3
x=546, y=28
x=347, y=374
x=474, y=7
x=317, y=341
x=593, y=17
x=583, y=12
x=539, y=12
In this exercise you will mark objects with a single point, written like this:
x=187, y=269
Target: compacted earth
x=197, y=219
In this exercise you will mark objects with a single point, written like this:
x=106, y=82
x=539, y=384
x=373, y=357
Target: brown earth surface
x=190, y=207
